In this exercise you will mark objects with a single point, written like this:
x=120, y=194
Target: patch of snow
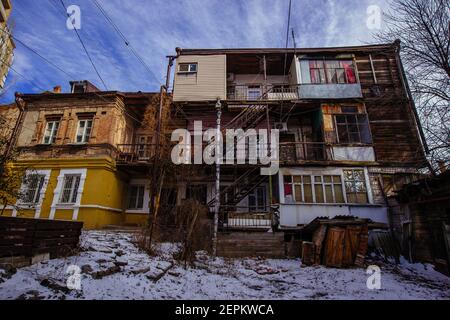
x=129, y=273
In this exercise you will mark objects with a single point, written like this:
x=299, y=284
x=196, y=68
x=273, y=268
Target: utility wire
x=285, y=54
x=84, y=47
x=124, y=38
x=21, y=75
x=37, y=53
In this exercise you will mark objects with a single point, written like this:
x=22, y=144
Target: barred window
x=69, y=191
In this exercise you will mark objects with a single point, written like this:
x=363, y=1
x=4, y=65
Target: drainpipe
x=218, y=152
x=170, y=64
x=13, y=139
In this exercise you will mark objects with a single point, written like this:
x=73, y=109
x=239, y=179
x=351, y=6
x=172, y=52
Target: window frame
x=53, y=132
x=358, y=125
x=85, y=129
x=189, y=64
x=325, y=74
x=313, y=182
x=354, y=182
x=73, y=190
x=40, y=185
x=135, y=207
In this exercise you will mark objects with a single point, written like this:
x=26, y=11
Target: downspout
x=412, y=104
x=13, y=139
x=218, y=153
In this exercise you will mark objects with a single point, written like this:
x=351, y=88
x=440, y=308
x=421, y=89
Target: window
x=355, y=186
x=187, y=67
x=50, y=132
x=84, y=131
x=69, y=191
x=353, y=128
x=257, y=200
x=314, y=189
x=33, y=186
x=254, y=92
x=328, y=71
x=136, y=197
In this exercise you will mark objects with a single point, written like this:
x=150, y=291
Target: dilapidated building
x=348, y=129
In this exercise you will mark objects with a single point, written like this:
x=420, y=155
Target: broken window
x=50, y=132
x=355, y=186
x=84, y=130
x=33, y=186
x=136, y=197
x=187, y=67
x=69, y=191
x=353, y=128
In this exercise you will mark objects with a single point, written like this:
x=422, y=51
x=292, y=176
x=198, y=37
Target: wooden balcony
x=137, y=154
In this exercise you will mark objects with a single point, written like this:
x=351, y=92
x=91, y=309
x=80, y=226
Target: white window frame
x=144, y=209
x=139, y=188
x=73, y=189
x=37, y=205
x=190, y=67
x=56, y=205
x=53, y=132
x=84, y=136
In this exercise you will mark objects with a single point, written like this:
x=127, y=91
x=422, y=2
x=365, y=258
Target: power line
x=21, y=75
x=37, y=53
x=84, y=47
x=124, y=38
x=285, y=54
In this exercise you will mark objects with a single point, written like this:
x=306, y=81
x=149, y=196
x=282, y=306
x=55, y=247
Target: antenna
x=293, y=40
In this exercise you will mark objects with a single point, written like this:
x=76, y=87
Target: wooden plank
x=318, y=238
x=334, y=247
x=351, y=244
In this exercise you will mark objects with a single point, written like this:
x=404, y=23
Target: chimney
x=57, y=89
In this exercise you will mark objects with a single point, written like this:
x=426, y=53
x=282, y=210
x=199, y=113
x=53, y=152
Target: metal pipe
x=217, y=199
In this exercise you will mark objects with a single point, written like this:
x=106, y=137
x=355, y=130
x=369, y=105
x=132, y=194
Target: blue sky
x=156, y=27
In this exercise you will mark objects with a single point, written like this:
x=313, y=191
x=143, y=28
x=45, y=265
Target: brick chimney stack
x=57, y=89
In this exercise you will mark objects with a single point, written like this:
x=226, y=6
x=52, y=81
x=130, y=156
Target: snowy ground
x=113, y=268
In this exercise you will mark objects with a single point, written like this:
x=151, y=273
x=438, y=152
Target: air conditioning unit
x=282, y=126
x=230, y=76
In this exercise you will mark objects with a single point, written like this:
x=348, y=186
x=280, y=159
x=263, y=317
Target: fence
x=30, y=237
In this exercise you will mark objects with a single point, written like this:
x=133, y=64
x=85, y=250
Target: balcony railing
x=264, y=92
x=291, y=152
x=273, y=92
x=136, y=153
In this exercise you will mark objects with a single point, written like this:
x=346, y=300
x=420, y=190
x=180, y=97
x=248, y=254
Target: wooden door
x=334, y=247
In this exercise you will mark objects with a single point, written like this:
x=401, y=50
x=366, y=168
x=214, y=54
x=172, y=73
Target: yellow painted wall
x=104, y=189
x=136, y=219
